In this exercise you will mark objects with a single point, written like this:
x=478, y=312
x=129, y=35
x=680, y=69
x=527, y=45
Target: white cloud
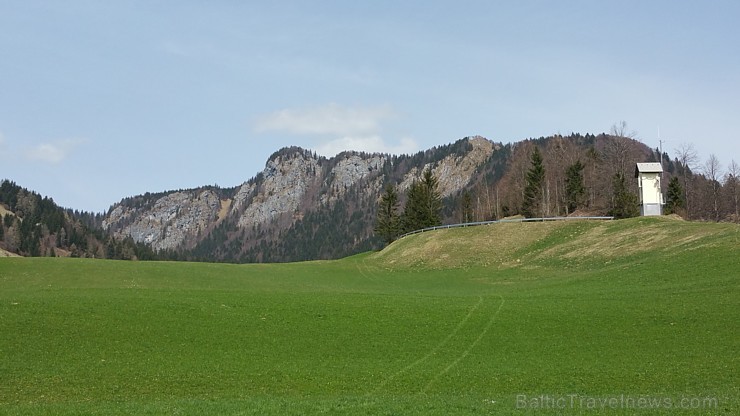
x=370, y=144
x=330, y=119
x=54, y=152
x=352, y=128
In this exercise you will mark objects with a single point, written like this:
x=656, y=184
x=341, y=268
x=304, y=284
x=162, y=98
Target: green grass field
x=551, y=318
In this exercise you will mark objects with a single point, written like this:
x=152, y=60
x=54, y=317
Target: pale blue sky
x=100, y=100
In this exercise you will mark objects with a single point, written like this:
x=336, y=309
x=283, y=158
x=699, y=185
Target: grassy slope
x=456, y=321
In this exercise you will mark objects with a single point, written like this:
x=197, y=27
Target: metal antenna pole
x=661, y=152
x=662, y=170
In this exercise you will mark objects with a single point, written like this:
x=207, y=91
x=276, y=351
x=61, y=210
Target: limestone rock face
x=242, y=195
x=454, y=172
x=170, y=220
x=294, y=183
x=348, y=171
x=285, y=181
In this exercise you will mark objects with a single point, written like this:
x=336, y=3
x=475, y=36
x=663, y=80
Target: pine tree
x=574, y=189
x=432, y=200
x=674, y=197
x=533, y=201
x=411, y=219
x=423, y=204
x=387, y=224
x=625, y=202
x=466, y=206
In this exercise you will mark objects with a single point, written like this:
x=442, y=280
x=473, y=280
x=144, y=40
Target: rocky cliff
x=248, y=222
x=170, y=222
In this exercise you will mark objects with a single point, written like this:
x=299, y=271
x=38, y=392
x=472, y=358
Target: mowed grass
x=588, y=313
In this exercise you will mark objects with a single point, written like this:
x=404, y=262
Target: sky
x=101, y=100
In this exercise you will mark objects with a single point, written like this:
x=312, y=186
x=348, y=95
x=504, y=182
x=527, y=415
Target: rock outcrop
x=285, y=181
x=455, y=171
x=169, y=222
x=294, y=183
x=350, y=169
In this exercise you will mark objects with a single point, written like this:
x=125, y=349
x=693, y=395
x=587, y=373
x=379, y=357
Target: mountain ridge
x=294, y=184
x=303, y=206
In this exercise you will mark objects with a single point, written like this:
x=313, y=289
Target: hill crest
x=567, y=243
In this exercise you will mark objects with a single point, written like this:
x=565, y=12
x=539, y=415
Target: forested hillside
x=692, y=189
x=33, y=225
x=303, y=206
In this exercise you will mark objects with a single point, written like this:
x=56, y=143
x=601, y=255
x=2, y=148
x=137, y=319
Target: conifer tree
x=625, y=202
x=467, y=207
x=732, y=188
x=674, y=197
x=411, y=216
x=432, y=199
x=423, y=204
x=533, y=200
x=387, y=224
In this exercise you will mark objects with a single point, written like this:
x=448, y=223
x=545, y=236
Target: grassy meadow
x=637, y=316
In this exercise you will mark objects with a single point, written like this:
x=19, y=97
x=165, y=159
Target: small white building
x=648, y=183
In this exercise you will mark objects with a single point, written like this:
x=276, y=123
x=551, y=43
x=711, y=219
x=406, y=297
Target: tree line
x=32, y=225
x=422, y=209
x=573, y=175
x=594, y=175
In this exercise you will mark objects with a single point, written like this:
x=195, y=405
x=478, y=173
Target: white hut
x=648, y=183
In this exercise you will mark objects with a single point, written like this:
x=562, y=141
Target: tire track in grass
x=364, y=270
x=373, y=275
x=470, y=347
x=433, y=350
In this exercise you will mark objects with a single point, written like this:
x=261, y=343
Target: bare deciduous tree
x=513, y=185
x=620, y=130
x=620, y=149
x=686, y=155
x=712, y=170
x=593, y=160
x=557, y=157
